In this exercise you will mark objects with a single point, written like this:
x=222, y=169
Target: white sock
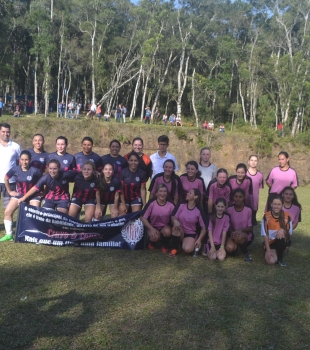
x=8, y=227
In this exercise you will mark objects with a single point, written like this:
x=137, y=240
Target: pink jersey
x=189, y=185
x=221, y=225
x=215, y=191
x=240, y=219
x=246, y=184
x=294, y=212
x=174, y=190
x=189, y=218
x=158, y=215
x=278, y=179
x=257, y=184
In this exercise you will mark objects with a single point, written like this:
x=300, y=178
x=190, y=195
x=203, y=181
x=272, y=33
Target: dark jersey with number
x=132, y=183
x=107, y=196
x=25, y=180
x=119, y=163
x=67, y=161
x=145, y=164
x=85, y=189
x=38, y=160
x=58, y=189
x=81, y=158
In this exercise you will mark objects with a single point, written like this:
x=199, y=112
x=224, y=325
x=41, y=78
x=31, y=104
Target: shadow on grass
x=91, y=298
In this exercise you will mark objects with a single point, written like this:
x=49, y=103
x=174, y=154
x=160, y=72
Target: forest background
x=237, y=62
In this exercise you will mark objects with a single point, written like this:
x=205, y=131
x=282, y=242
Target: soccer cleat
x=173, y=253
x=247, y=257
x=164, y=249
x=282, y=263
x=151, y=246
x=6, y=238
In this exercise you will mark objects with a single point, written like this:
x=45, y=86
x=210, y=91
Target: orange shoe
x=164, y=249
x=151, y=246
x=173, y=253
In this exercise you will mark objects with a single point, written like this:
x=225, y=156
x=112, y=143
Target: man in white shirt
x=9, y=155
x=162, y=155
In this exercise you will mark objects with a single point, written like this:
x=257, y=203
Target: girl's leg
x=73, y=210
x=135, y=208
x=165, y=238
x=89, y=212
x=221, y=254
x=188, y=244
x=10, y=209
x=230, y=245
x=35, y=203
x=63, y=210
x=272, y=258
x=212, y=255
x=103, y=210
x=114, y=213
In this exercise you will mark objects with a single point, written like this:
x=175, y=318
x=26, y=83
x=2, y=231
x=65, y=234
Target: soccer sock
x=8, y=227
x=165, y=240
x=280, y=247
x=244, y=247
x=175, y=241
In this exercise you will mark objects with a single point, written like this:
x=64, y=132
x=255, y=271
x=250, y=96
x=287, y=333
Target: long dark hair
x=103, y=186
x=295, y=199
x=198, y=194
x=174, y=178
x=195, y=164
x=281, y=215
x=285, y=154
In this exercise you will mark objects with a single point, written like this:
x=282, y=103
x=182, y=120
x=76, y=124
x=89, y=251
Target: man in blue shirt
x=1, y=106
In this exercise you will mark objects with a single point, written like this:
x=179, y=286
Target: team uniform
x=107, y=197
x=208, y=173
x=190, y=219
x=215, y=191
x=257, y=184
x=118, y=162
x=242, y=219
x=246, y=185
x=188, y=185
x=158, y=215
x=67, y=161
x=270, y=226
x=174, y=186
x=25, y=180
x=145, y=164
x=294, y=213
x=132, y=182
x=38, y=160
x=158, y=162
x=84, y=191
x=58, y=189
x=81, y=158
x=221, y=225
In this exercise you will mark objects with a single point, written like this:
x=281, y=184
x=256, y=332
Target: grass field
x=85, y=298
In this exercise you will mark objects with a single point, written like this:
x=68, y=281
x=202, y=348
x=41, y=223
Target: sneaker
x=6, y=238
x=247, y=257
x=173, y=253
x=282, y=263
x=164, y=249
x=151, y=246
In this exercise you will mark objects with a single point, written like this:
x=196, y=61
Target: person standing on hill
x=1, y=106
x=156, y=115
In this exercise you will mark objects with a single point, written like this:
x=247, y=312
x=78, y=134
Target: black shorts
x=79, y=203
x=50, y=204
x=208, y=246
x=191, y=235
x=136, y=201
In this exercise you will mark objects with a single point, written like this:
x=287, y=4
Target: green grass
x=85, y=298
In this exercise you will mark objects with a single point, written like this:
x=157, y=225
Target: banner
x=42, y=226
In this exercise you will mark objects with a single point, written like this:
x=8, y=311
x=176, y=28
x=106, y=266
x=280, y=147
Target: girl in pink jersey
x=241, y=180
x=185, y=219
x=156, y=218
x=291, y=205
x=218, y=226
x=241, y=225
x=218, y=188
x=280, y=177
x=191, y=179
x=257, y=182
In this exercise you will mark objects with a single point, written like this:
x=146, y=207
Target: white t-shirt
x=9, y=155
x=208, y=173
x=158, y=162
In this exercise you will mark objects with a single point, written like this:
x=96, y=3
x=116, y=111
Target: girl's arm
x=147, y=224
x=224, y=234
x=98, y=212
x=210, y=205
x=122, y=209
x=211, y=241
x=30, y=193
x=202, y=234
x=175, y=222
x=143, y=194
x=114, y=210
x=8, y=188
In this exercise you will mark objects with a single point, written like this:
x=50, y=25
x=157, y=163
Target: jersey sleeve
x=40, y=184
x=10, y=173
x=226, y=223
x=147, y=210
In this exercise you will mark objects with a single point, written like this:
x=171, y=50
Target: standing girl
x=133, y=182
x=241, y=225
x=191, y=179
x=186, y=217
x=257, y=182
x=26, y=177
x=276, y=229
x=111, y=192
x=207, y=169
x=87, y=154
x=218, y=188
x=170, y=180
x=66, y=160
x=38, y=154
x=115, y=158
x=217, y=230
x=241, y=180
x=156, y=217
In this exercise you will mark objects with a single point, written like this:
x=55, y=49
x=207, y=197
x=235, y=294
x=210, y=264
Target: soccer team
x=203, y=209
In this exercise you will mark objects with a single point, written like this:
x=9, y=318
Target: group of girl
x=203, y=208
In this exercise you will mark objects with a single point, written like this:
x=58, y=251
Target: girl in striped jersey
x=191, y=179
x=276, y=229
x=217, y=230
x=26, y=177
x=86, y=192
x=111, y=192
x=156, y=218
x=242, y=221
x=218, y=188
x=170, y=180
x=241, y=180
x=186, y=219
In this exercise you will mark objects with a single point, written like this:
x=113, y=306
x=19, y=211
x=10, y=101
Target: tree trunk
x=193, y=98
